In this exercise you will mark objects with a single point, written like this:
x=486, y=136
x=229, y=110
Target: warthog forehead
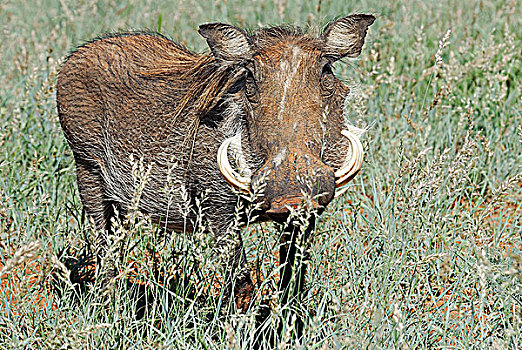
x=284, y=50
x=287, y=66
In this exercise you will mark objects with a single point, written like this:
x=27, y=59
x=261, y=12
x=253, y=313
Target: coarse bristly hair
x=208, y=80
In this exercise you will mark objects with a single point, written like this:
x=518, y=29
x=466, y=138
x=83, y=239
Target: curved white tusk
x=232, y=177
x=349, y=170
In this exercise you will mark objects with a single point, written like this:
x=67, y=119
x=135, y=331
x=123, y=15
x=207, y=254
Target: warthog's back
x=120, y=84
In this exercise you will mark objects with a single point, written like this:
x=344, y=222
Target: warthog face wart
x=263, y=110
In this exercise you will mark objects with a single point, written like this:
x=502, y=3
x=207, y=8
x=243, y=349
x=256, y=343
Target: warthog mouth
x=343, y=175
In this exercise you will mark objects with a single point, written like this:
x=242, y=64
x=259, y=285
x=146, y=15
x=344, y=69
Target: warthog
x=269, y=100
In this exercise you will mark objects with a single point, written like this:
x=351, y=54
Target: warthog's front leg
x=293, y=255
x=243, y=286
x=238, y=284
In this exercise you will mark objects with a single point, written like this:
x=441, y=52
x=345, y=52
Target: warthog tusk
x=233, y=177
x=348, y=171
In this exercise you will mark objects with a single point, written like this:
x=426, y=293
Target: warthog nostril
x=280, y=206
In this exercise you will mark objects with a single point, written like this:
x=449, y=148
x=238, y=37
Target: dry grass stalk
x=24, y=254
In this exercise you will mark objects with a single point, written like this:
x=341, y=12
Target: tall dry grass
x=424, y=250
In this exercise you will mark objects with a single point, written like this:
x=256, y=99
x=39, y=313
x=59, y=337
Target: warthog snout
x=292, y=179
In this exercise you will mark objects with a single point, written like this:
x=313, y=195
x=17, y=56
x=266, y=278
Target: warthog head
x=284, y=112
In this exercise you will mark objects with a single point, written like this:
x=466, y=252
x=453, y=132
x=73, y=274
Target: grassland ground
x=423, y=251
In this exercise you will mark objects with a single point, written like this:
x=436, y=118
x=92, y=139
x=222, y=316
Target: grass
x=424, y=250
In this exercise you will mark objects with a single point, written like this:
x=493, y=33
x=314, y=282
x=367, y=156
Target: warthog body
x=272, y=92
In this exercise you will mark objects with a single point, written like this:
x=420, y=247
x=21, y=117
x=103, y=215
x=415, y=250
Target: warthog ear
x=345, y=37
x=226, y=42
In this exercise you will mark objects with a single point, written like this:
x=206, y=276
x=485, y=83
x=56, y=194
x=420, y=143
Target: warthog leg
x=91, y=193
x=238, y=282
x=90, y=187
x=293, y=257
x=243, y=286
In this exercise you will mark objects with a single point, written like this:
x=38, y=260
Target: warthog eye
x=327, y=79
x=247, y=83
x=251, y=89
x=238, y=85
